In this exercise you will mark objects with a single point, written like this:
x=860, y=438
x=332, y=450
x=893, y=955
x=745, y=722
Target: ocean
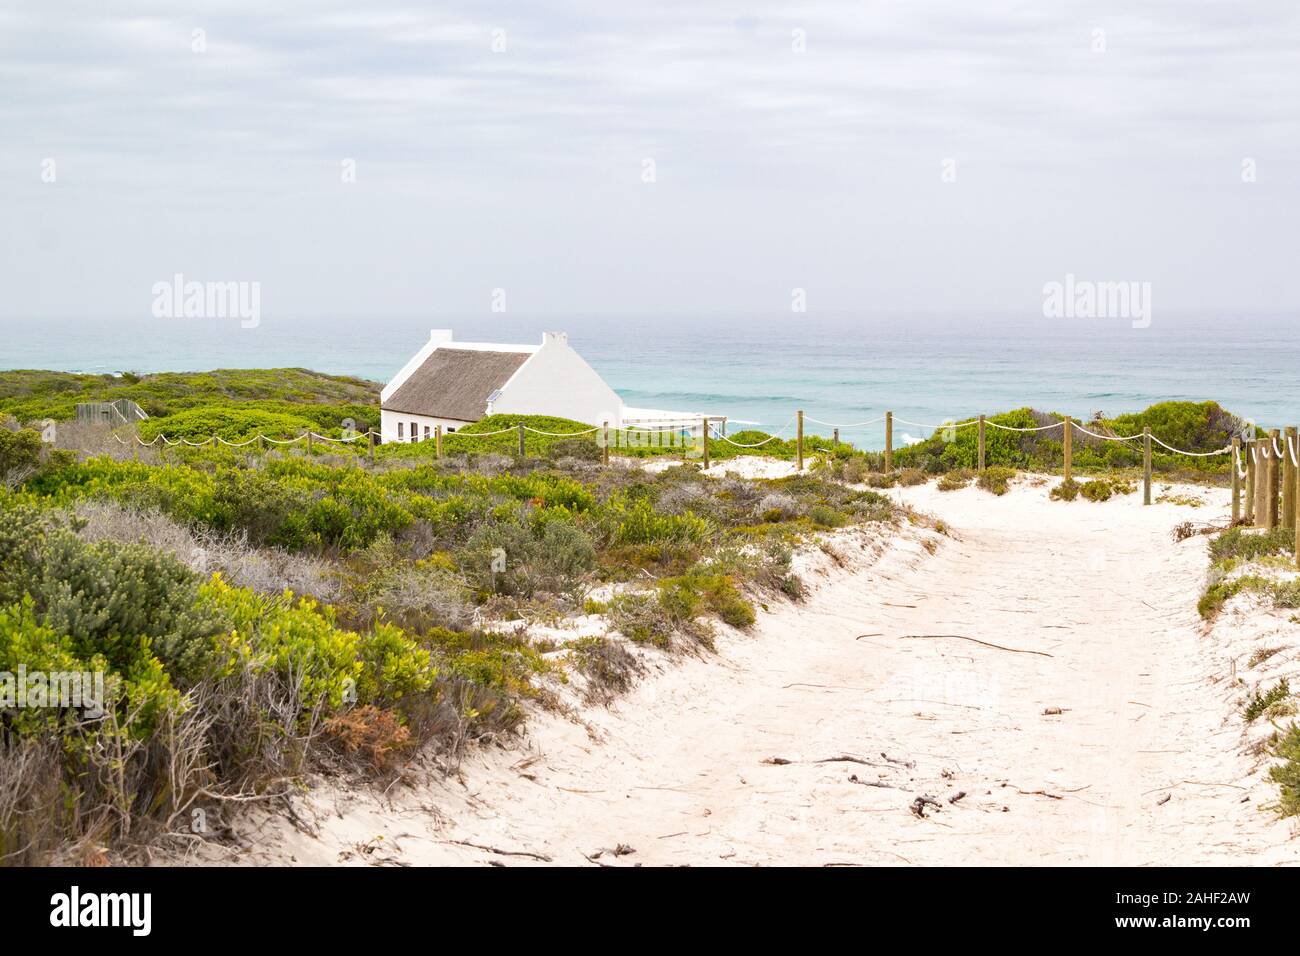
x=839, y=368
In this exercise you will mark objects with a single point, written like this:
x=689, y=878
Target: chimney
x=558, y=338
x=440, y=336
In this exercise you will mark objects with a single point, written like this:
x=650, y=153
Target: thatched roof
x=455, y=383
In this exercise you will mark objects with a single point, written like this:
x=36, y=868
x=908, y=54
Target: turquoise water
x=761, y=368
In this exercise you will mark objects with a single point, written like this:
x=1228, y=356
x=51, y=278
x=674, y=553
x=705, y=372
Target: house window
x=399, y=430
x=450, y=430
x=426, y=431
x=415, y=431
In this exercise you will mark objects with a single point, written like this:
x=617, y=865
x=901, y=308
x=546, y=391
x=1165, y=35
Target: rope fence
x=1270, y=448
x=1264, y=471
x=708, y=430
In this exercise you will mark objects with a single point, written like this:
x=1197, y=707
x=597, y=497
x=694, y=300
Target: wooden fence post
x=1288, y=478
x=1268, y=504
x=1261, y=481
x=308, y=433
x=1257, y=485
x=889, y=441
x=1251, y=452
x=1236, y=480
x=604, y=446
x=521, y=439
x=1067, y=444
x=1146, y=464
x=704, y=432
x=261, y=442
x=370, y=440
x=437, y=440
x=1297, y=524
x=799, y=432
x=981, y=452
x=835, y=439
x=1274, y=478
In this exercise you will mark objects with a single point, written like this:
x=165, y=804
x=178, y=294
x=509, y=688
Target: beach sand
x=1104, y=729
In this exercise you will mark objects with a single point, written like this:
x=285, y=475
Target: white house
x=452, y=384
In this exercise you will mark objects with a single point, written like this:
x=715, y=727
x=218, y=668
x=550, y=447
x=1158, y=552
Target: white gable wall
x=557, y=381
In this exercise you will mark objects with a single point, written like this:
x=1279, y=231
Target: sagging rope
x=1193, y=454
x=943, y=427
x=818, y=421
x=1103, y=437
x=773, y=437
x=538, y=431
x=1012, y=428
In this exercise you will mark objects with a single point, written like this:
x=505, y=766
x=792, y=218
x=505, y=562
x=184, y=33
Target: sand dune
x=1101, y=730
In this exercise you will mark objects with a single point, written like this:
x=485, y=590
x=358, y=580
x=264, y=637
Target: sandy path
x=676, y=770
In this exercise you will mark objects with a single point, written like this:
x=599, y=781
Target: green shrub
x=1096, y=490
x=640, y=524
x=32, y=395
x=824, y=516
x=1248, y=544
x=20, y=452
x=128, y=603
x=233, y=423
x=954, y=480
x=1260, y=703
x=1067, y=490
x=685, y=597
x=1220, y=592
x=641, y=618
x=1287, y=774
x=995, y=479
x=299, y=640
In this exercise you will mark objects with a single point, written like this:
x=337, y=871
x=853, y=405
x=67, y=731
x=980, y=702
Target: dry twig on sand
x=499, y=852
x=973, y=640
x=853, y=778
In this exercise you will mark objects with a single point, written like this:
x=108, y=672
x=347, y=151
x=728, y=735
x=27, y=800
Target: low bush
x=1067, y=490
x=824, y=516
x=1096, y=490
x=1247, y=544
x=1287, y=774
x=954, y=480
x=641, y=618
x=1260, y=704
x=995, y=479
x=912, y=476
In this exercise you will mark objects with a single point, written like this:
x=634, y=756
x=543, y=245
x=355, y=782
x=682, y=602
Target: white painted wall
x=557, y=381
x=388, y=425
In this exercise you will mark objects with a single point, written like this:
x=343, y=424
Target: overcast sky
x=796, y=144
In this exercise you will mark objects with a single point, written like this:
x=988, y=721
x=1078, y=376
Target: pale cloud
x=522, y=169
